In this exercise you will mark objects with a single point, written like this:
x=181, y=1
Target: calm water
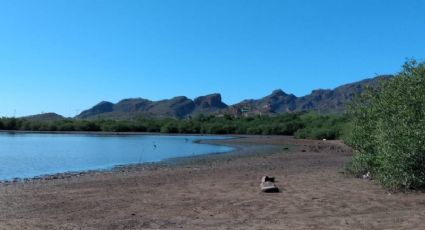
x=29, y=155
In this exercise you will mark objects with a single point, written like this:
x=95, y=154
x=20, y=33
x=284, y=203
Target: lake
x=26, y=155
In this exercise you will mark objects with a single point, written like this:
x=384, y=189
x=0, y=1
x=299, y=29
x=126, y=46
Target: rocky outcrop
x=210, y=101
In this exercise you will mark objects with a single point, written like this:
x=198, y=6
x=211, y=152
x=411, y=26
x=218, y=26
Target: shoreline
x=100, y=133
x=218, y=192
x=125, y=167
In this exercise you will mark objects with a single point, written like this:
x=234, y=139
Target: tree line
x=301, y=125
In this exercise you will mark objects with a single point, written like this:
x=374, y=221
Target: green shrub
x=317, y=133
x=170, y=127
x=189, y=126
x=11, y=124
x=389, y=129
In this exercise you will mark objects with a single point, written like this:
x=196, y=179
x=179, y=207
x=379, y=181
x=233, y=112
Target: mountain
x=334, y=101
x=44, y=117
x=321, y=100
x=138, y=107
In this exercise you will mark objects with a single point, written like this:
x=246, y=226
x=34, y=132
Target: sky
x=65, y=56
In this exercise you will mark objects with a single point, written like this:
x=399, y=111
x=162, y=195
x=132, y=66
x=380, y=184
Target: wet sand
x=218, y=191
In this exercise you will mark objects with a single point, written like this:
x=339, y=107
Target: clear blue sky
x=64, y=56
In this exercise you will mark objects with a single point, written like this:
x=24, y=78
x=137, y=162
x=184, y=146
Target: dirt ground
x=218, y=191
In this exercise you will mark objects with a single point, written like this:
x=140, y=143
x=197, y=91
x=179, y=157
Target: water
x=30, y=155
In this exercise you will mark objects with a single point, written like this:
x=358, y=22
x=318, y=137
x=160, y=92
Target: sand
x=219, y=191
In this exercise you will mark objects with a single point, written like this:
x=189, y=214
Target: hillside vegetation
x=302, y=125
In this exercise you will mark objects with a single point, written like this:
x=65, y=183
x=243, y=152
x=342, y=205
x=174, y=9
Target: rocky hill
x=44, y=117
x=137, y=107
x=321, y=100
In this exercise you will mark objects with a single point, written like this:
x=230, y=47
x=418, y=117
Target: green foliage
x=10, y=123
x=388, y=130
x=321, y=127
x=170, y=127
x=308, y=125
x=189, y=126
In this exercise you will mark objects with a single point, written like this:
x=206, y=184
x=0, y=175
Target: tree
x=389, y=129
x=11, y=124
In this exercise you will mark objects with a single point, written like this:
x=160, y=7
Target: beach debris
x=366, y=176
x=267, y=178
x=268, y=185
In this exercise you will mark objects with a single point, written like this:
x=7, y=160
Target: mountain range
x=321, y=100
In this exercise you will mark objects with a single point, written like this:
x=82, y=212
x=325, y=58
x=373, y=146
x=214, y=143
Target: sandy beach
x=218, y=191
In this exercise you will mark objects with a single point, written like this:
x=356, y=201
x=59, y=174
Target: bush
x=389, y=129
x=89, y=126
x=189, y=127
x=317, y=133
x=66, y=127
x=11, y=124
x=170, y=127
x=122, y=127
